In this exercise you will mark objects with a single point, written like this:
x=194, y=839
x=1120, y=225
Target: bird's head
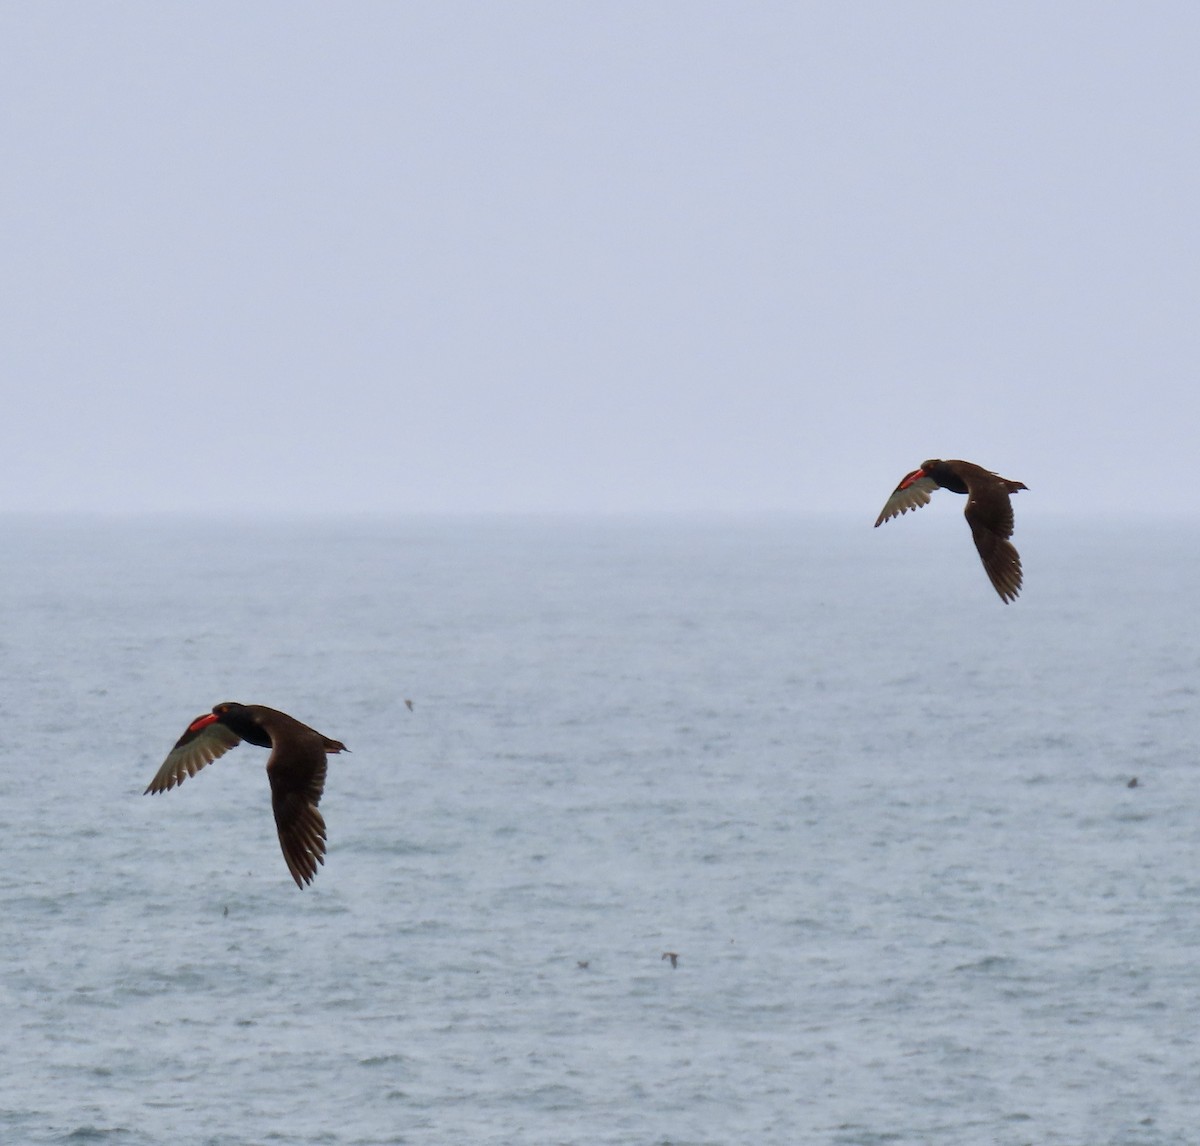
x=916, y=475
x=930, y=468
x=237, y=718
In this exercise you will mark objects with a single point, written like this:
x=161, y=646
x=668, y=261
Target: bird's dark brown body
x=989, y=513
x=296, y=769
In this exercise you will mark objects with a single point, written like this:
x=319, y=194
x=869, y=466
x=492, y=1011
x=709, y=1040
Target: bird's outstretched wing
x=204, y=741
x=296, y=788
x=912, y=493
x=1001, y=561
x=989, y=513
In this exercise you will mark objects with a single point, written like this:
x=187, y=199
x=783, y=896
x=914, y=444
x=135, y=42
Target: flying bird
x=989, y=513
x=296, y=769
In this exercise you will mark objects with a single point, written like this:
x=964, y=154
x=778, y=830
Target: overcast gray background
x=577, y=257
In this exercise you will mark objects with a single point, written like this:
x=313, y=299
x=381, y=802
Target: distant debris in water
x=673, y=956
x=1132, y=783
x=582, y=964
x=408, y=704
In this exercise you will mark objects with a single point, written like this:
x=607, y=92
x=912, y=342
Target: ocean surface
x=882, y=818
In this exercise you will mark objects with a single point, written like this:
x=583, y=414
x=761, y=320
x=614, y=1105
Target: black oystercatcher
x=989, y=513
x=296, y=769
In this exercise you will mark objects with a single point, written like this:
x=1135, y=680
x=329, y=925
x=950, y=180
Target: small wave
x=989, y=963
x=98, y=1134
x=383, y=1060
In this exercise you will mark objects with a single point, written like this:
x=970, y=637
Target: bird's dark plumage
x=296, y=769
x=989, y=513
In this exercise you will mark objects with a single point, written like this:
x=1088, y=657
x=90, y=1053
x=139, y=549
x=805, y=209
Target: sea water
x=882, y=818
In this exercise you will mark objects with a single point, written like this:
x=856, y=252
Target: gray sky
x=601, y=256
